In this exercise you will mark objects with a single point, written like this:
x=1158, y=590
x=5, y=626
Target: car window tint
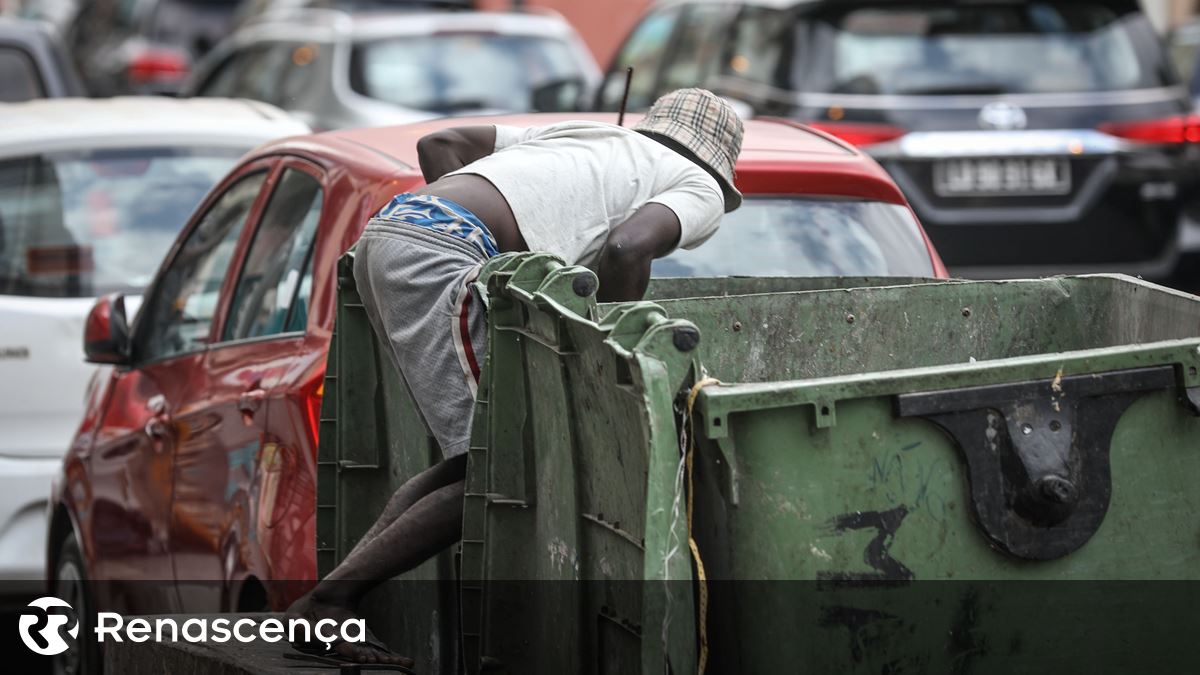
x=1183, y=51
x=299, y=65
x=644, y=51
x=988, y=49
x=125, y=14
x=272, y=279
x=177, y=318
x=697, y=47
x=262, y=73
x=761, y=38
x=456, y=72
x=82, y=223
x=19, y=79
x=255, y=73
x=224, y=77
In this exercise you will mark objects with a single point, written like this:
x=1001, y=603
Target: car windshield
x=461, y=71
x=1028, y=47
x=801, y=237
x=85, y=224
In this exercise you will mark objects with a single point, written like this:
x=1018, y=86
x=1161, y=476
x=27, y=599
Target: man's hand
x=624, y=265
x=451, y=149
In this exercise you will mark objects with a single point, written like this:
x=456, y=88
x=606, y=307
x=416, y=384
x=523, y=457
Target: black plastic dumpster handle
x=1037, y=452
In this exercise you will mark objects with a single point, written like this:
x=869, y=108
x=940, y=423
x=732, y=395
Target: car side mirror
x=106, y=333
x=562, y=95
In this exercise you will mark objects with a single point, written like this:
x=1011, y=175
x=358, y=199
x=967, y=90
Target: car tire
x=71, y=585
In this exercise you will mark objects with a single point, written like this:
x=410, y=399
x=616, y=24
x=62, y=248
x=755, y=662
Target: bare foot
x=370, y=651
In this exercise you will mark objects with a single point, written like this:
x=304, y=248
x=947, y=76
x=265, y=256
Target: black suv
x=1031, y=137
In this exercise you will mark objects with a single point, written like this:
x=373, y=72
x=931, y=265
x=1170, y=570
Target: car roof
x=25, y=31
x=140, y=121
x=367, y=25
x=786, y=150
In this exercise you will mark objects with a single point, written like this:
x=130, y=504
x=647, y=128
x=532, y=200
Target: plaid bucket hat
x=706, y=127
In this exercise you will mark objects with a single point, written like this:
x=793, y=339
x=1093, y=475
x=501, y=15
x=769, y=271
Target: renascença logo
x=49, y=633
x=44, y=632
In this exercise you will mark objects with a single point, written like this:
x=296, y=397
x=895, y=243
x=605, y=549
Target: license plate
x=1002, y=177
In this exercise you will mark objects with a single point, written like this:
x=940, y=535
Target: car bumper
x=1158, y=269
x=24, y=492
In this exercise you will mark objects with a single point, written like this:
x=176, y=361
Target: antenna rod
x=625, y=96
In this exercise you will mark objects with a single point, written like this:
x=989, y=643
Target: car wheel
x=71, y=585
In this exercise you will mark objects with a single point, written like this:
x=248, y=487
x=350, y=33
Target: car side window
x=697, y=48
x=177, y=317
x=223, y=79
x=125, y=15
x=275, y=282
x=644, y=51
x=19, y=80
x=262, y=72
x=251, y=73
x=762, y=39
x=300, y=62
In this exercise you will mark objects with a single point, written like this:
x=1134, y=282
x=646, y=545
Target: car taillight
x=860, y=134
x=1168, y=131
x=157, y=65
x=311, y=395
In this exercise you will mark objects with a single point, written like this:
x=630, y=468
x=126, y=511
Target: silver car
x=335, y=69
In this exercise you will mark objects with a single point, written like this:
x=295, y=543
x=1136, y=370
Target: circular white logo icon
x=45, y=632
x=1002, y=116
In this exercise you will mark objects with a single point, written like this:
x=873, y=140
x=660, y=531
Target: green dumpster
x=885, y=476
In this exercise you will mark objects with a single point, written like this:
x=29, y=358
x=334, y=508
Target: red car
x=195, y=459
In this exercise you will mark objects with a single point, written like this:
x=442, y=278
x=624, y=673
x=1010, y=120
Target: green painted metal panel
x=816, y=492
x=371, y=440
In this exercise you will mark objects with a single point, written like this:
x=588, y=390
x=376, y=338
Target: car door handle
x=158, y=427
x=156, y=404
x=251, y=401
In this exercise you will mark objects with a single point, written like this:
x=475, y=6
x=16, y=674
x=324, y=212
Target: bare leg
x=426, y=527
x=439, y=475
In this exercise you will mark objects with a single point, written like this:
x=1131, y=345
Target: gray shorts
x=415, y=287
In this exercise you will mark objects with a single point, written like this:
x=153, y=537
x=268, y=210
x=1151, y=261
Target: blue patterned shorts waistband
x=440, y=215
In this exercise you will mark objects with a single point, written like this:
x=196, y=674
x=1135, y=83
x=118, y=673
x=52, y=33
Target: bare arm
x=624, y=263
x=450, y=149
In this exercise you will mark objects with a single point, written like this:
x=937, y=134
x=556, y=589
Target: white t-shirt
x=570, y=184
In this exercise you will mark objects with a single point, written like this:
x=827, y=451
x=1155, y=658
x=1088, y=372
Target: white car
x=92, y=194
x=338, y=70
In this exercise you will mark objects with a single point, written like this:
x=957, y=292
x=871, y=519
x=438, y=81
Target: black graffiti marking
x=876, y=555
x=871, y=635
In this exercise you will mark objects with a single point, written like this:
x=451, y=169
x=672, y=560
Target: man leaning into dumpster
x=610, y=198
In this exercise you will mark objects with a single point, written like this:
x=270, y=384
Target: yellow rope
x=702, y=580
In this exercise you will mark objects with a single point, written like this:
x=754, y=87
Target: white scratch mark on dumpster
x=435, y=648
x=562, y=556
x=673, y=542
x=819, y=553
